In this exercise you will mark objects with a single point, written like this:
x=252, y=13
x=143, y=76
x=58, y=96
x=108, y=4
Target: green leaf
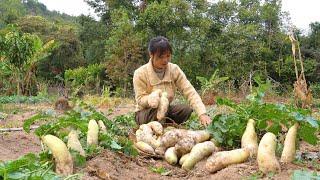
x=308, y=134
x=312, y=121
x=115, y=145
x=27, y=123
x=302, y=174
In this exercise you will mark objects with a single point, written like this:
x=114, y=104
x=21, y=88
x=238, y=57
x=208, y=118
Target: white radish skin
x=102, y=126
x=156, y=127
x=170, y=156
x=220, y=160
x=62, y=157
x=198, y=152
x=74, y=143
x=289, y=149
x=249, y=139
x=163, y=106
x=144, y=147
x=183, y=158
x=93, y=132
x=266, y=158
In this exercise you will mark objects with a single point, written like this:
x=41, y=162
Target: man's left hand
x=205, y=119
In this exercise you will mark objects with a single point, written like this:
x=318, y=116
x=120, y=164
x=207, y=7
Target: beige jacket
x=145, y=80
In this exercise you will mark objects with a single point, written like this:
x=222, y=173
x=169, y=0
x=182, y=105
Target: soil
x=114, y=165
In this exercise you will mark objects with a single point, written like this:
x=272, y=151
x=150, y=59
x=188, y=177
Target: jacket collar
x=154, y=79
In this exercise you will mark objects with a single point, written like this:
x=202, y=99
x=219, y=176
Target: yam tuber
x=185, y=145
x=170, y=156
x=289, y=149
x=144, y=147
x=63, y=159
x=170, y=138
x=74, y=143
x=266, y=158
x=198, y=152
x=200, y=135
x=220, y=160
x=154, y=98
x=156, y=127
x=163, y=106
x=93, y=132
x=145, y=134
x=183, y=158
x=102, y=126
x=249, y=139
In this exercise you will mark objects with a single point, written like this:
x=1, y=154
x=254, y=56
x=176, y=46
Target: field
x=112, y=163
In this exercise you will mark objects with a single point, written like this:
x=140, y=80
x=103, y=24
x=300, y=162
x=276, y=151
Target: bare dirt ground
x=113, y=165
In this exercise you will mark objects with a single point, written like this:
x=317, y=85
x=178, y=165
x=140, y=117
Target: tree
x=124, y=50
x=22, y=52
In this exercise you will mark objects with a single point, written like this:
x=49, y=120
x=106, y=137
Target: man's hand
x=205, y=119
x=154, y=98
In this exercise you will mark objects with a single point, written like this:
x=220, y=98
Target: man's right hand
x=154, y=98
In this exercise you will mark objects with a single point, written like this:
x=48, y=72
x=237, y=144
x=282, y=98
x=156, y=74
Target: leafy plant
x=301, y=174
x=211, y=83
x=227, y=129
x=115, y=138
x=29, y=166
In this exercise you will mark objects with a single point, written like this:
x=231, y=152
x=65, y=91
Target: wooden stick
x=16, y=129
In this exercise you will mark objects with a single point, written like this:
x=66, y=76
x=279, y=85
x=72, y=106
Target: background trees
x=240, y=38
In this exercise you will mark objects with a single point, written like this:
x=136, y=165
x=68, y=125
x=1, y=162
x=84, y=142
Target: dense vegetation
x=247, y=35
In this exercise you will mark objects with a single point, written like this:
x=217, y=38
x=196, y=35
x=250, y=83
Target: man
x=160, y=74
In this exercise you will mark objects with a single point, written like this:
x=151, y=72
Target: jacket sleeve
x=140, y=89
x=184, y=85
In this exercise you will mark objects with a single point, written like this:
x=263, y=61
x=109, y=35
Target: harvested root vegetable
x=185, y=145
x=266, y=158
x=198, y=152
x=170, y=138
x=144, y=147
x=156, y=127
x=74, y=143
x=220, y=160
x=183, y=158
x=249, y=139
x=62, y=157
x=145, y=134
x=154, y=98
x=163, y=106
x=170, y=156
x=102, y=126
x=200, y=136
x=289, y=149
x=93, y=132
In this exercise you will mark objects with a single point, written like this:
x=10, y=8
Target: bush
x=84, y=79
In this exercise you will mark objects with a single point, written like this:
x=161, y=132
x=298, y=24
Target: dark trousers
x=178, y=113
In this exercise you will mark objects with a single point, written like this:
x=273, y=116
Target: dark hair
x=159, y=45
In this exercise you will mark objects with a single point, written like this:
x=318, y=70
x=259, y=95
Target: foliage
x=29, y=166
x=118, y=129
x=211, y=83
x=22, y=52
x=302, y=174
x=227, y=129
x=84, y=79
x=23, y=99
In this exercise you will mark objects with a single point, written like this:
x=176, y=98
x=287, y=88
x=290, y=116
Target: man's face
x=161, y=62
